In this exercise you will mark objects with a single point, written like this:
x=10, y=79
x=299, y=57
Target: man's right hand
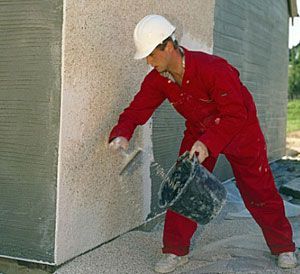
x=119, y=143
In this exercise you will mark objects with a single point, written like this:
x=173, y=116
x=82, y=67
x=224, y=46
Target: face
x=159, y=59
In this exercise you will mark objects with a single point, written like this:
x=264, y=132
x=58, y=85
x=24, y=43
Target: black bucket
x=191, y=190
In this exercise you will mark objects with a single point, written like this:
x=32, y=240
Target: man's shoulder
x=205, y=57
x=199, y=54
x=206, y=62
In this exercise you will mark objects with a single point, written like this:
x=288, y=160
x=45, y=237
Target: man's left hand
x=201, y=149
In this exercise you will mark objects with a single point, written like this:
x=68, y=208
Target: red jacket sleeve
x=140, y=109
x=226, y=90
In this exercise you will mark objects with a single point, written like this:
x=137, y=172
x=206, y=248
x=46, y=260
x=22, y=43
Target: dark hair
x=163, y=44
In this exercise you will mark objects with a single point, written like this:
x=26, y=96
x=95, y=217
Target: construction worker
x=220, y=117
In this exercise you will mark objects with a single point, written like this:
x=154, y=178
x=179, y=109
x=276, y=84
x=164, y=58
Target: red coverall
x=220, y=112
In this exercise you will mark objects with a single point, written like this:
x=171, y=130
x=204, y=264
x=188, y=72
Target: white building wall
x=100, y=77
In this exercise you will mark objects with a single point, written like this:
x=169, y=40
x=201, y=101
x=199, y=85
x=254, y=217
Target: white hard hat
x=149, y=33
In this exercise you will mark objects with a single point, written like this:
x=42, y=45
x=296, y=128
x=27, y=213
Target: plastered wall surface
x=100, y=77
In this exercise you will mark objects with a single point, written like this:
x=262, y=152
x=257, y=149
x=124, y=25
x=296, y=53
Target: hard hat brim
x=141, y=55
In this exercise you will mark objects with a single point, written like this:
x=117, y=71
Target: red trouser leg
x=178, y=230
x=256, y=185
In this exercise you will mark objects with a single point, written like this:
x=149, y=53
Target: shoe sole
x=287, y=266
x=181, y=263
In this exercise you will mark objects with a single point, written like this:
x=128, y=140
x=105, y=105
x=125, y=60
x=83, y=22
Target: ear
x=169, y=47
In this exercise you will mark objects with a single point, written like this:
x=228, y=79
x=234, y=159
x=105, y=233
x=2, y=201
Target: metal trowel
x=129, y=158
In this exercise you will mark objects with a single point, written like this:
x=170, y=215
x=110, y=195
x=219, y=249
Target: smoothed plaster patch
x=192, y=43
x=147, y=160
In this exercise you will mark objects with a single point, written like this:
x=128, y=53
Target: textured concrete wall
x=253, y=36
x=30, y=62
x=100, y=78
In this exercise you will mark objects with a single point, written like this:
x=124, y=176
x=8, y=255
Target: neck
x=176, y=67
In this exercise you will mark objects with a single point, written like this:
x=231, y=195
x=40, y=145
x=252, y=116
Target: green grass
x=293, y=115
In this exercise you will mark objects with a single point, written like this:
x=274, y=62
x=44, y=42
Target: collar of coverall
x=168, y=74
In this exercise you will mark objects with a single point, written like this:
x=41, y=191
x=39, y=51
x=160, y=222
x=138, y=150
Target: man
x=220, y=118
